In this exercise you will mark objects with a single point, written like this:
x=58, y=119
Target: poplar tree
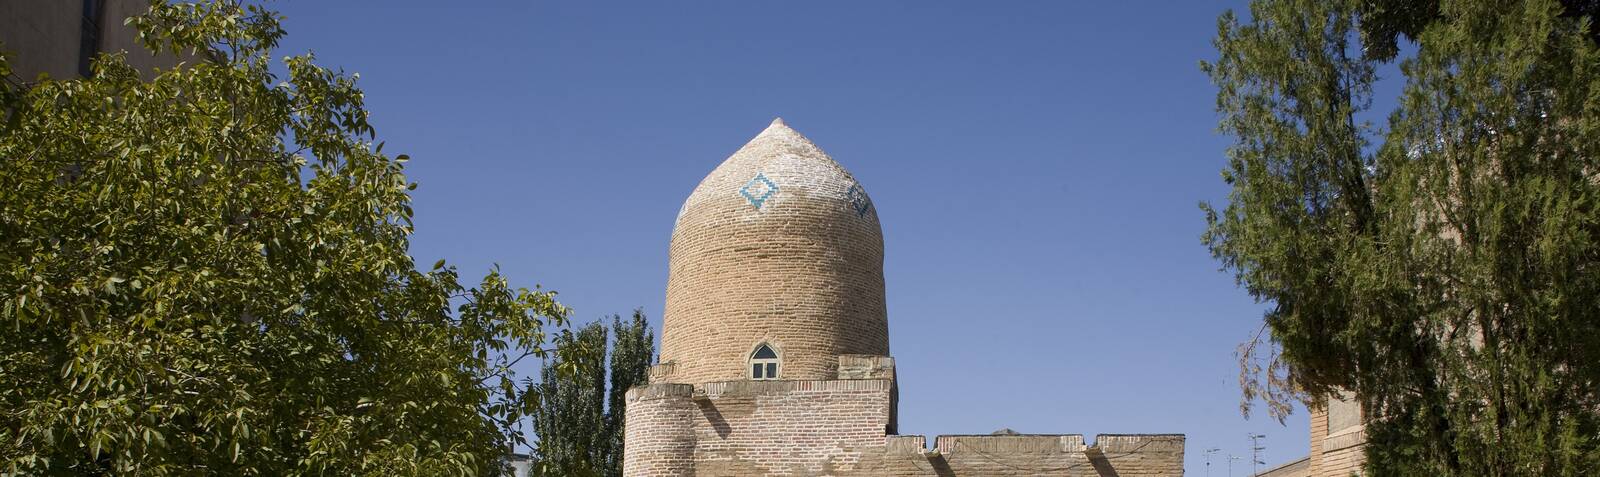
x=1445, y=267
x=581, y=421
x=205, y=271
x=570, y=421
x=632, y=352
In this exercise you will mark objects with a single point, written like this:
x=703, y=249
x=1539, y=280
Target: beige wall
x=41, y=36
x=118, y=37
x=1338, y=440
x=44, y=36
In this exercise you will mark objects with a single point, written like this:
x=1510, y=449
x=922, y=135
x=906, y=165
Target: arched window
x=764, y=363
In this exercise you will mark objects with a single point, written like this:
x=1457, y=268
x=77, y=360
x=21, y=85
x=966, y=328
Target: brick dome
x=778, y=245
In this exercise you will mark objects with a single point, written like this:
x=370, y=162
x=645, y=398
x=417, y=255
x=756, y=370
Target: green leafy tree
x=206, y=272
x=580, y=422
x=1446, y=268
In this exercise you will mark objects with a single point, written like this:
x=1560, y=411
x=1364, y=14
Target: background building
x=775, y=344
x=59, y=38
x=1338, y=440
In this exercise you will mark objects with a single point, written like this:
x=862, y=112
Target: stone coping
x=1345, y=438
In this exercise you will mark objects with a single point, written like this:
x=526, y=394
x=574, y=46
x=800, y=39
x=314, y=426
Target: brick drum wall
x=794, y=258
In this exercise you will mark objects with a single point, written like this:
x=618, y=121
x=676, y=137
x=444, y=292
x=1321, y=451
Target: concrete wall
x=44, y=36
x=41, y=36
x=118, y=37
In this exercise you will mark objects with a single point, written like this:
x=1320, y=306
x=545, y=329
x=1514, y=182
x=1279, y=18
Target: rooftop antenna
x=1231, y=458
x=1210, y=451
x=1255, y=452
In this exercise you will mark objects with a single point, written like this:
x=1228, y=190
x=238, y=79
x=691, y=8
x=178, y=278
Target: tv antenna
x=1255, y=452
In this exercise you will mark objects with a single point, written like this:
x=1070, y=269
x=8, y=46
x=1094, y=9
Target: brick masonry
x=780, y=245
x=840, y=428
x=1340, y=452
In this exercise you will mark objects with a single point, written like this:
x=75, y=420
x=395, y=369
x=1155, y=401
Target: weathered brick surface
x=659, y=435
x=802, y=271
x=740, y=428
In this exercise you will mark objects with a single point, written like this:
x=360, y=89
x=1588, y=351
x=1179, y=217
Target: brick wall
x=782, y=428
x=1338, y=453
x=794, y=259
x=1037, y=455
x=1319, y=432
x=836, y=428
x=659, y=435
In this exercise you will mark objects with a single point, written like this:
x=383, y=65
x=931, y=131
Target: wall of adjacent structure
x=1337, y=450
x=1299, y=468
x=44, y=36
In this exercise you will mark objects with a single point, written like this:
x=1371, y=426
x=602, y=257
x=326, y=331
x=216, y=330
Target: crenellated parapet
x=1035, y=455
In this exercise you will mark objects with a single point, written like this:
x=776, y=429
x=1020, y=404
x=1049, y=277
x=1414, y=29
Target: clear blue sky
x=1036, y=167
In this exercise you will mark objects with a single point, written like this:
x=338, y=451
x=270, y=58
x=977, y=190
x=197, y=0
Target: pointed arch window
x=764, y=363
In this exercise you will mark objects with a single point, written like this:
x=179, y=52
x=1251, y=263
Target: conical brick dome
x=779, y=246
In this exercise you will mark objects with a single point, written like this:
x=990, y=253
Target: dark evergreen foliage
x=1445, y=268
